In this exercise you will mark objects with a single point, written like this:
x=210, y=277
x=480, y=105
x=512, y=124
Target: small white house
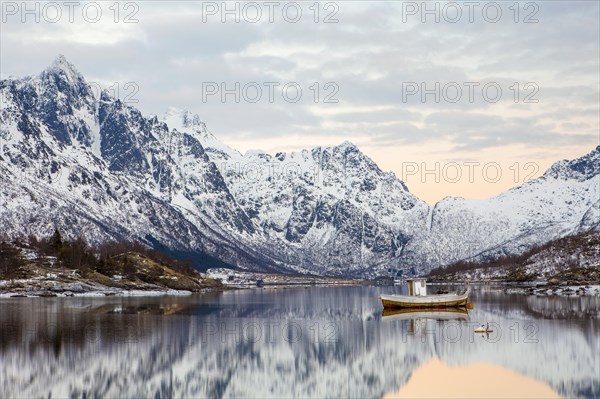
x=417, y=286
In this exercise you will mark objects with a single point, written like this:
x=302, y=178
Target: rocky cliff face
x=97, y=167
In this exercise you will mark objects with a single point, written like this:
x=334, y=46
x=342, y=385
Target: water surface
x=293, y=342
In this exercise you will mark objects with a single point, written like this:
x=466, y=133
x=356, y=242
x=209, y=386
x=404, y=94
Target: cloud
x=370, y=54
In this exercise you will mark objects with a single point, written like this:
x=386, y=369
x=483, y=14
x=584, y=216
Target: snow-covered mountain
x=96, y=167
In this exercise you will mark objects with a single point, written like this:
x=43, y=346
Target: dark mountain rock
x=98, y=168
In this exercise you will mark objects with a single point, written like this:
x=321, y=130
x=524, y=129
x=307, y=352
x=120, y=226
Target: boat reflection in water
x=435, y=314
x=417, y=318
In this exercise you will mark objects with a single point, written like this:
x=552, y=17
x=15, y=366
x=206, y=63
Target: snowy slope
x=293, y=191
x=562, y=202
x=97, y=167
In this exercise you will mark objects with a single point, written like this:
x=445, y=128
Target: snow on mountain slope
x=97, y=167
x=185, y=121
x=290, y=192
x=331, y=203
x=563, y=201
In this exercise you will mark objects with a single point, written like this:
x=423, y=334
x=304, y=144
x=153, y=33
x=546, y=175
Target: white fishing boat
x=417, y=297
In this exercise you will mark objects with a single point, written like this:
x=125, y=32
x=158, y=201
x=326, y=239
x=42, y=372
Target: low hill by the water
x=43, y=269
x=568, y=260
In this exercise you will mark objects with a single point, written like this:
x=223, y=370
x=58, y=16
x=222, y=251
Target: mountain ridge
x=98, y=167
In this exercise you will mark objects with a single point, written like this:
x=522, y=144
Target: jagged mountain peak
x=59, y=97
x=186, y=121
x=326, y=210
x=63, y=77
x=61, y=62
x=107, y=98
x=346, y=144
x=256, y=153
x=62, y=69
x=580, y=169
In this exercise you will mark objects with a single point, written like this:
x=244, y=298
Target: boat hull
x=425, y=302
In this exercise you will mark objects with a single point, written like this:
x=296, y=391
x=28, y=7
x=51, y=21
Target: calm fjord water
x=293, y=342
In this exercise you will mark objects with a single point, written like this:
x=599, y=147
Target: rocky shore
x=131, y=274
x=552, y=289
x=243, y=279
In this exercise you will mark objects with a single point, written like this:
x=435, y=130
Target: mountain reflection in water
x=308, y=342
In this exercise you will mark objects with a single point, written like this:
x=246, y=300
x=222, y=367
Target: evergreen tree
x=56, y=242
x=78, y=253
x=10, y=261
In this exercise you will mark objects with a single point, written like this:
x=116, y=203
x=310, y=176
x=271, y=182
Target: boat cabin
x=417, y=286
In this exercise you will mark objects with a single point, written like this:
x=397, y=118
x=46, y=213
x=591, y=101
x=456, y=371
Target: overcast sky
x=372, y=59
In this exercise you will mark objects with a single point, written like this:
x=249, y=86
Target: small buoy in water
x=484, y=329
x=470, y=305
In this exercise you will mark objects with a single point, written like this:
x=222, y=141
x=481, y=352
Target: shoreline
x=83, y=289
x=158, y=292
x=96, y=294
x=37, y=288
x=44, y=287
x=537, y=288
x=248, y=280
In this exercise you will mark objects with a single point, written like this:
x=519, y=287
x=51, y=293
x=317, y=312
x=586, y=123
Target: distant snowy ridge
x=96, y=167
